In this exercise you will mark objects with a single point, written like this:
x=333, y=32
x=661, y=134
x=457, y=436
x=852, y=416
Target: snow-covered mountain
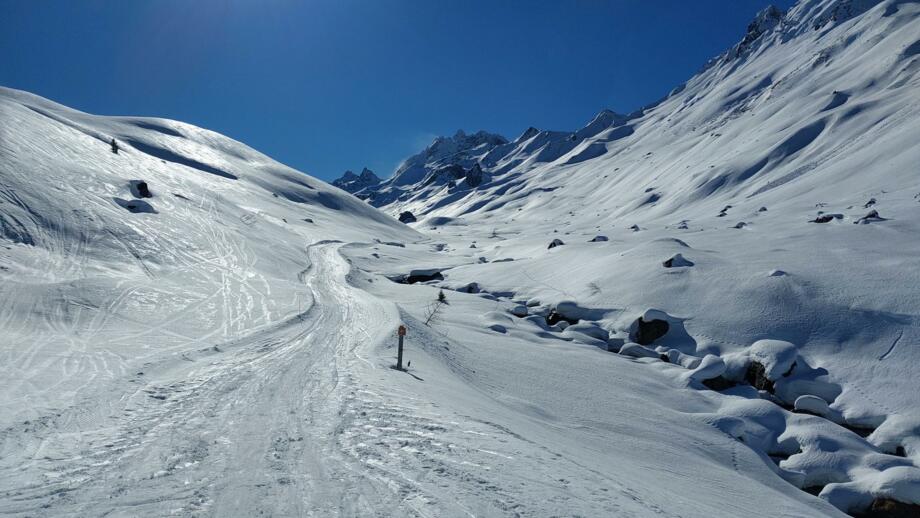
x=775, y=195
x=447, y=163
x=788, y=106
x=351, y=182
x=705, y=308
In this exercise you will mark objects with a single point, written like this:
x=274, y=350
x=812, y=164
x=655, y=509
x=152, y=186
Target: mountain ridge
x=772, y=33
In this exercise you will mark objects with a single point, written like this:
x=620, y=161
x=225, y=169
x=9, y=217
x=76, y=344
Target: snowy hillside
x=774, y=196
x=708, y=308
x=789, y=110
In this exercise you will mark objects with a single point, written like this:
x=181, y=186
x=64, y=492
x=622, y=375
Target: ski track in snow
x=195, y=357
x=280, y=422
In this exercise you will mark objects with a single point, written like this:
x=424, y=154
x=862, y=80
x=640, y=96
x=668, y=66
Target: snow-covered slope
x=198, y=345
x=792, y=109
x=691, y=344
x=102, y=280
x=774, y=196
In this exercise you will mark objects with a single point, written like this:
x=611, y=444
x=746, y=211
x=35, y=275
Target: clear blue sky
x=326, y=86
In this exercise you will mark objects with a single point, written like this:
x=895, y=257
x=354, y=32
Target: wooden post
x=399, y=354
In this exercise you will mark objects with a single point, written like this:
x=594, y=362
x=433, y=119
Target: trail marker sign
x=401, y=332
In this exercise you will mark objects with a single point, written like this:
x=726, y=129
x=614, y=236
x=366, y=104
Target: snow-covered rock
x=711, y=366
x=519, y=311
x=776, y=356
x=638, y=351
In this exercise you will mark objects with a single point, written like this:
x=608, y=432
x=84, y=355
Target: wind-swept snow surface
x=214, y=354
x=190, y=328
x=761, y=220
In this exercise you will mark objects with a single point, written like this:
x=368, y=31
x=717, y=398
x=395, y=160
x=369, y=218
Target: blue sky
x=326, y=86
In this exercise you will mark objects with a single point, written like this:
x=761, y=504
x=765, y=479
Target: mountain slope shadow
x=171, y=156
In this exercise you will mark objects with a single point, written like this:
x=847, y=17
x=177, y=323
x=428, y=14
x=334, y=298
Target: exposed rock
x=647, y=331
x=470, y=288
x=140, y=189
x=826, y=218
x=719, y=383
x=887, y=508
x=765, y=21
x=474, y=176
x=677, y=261
x=554, y=318
x=136, y=206
x=555, y=243
x=871, y=217
x=598, y=239
x=350, y=182
x=756, y=375
x=777, y=357
x=407, y=217
x=423, y=276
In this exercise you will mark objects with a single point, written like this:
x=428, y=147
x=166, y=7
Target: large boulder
x=407, y=217
x=710, y=367
x=645, y=331
x=555, y=242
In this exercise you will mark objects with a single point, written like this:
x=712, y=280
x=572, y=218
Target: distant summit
x=351, y=182
x=462, y=149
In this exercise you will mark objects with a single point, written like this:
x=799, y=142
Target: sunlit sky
x=326, y=86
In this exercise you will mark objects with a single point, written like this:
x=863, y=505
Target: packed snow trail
x=305, y=418
x=241, y=429
x=298, y=419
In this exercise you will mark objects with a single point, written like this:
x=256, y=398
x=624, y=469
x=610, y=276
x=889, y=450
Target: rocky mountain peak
x=351, y=182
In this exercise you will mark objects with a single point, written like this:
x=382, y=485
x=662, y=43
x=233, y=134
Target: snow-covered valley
x=710, y=307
